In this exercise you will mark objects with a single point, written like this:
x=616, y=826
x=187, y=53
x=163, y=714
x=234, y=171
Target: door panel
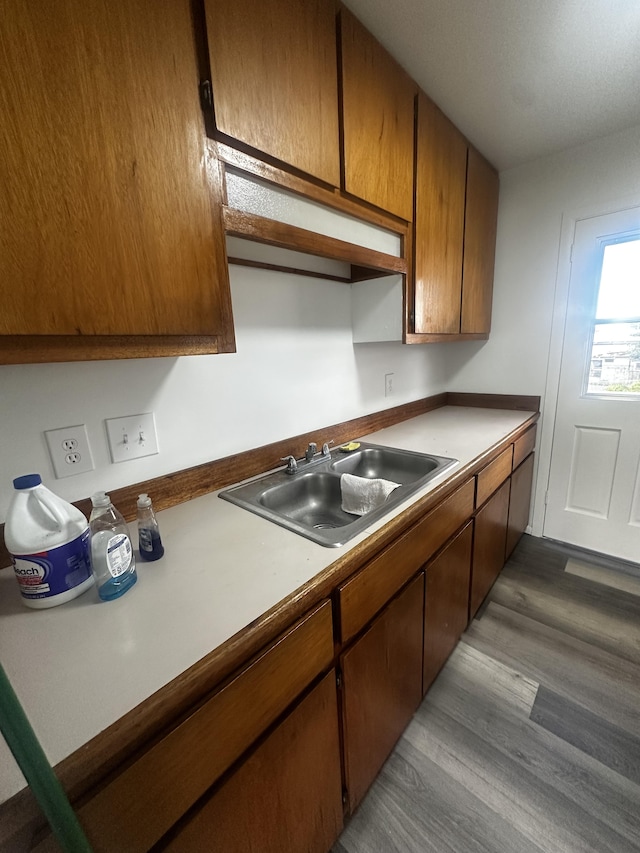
x=275, y=84
x=382, y=688
x=286, y=796
x=446, y=603
x=489, y=544
x=593, y=498
x=378, y=116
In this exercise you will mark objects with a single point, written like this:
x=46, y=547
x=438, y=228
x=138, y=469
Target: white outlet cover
x=132, y=437
x=69, y=450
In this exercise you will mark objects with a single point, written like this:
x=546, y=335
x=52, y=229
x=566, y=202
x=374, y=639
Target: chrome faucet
x=292, y=465
x=311, y=457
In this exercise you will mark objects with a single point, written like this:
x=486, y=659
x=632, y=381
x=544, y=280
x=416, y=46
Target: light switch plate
x=132, y=436
x=70, y=451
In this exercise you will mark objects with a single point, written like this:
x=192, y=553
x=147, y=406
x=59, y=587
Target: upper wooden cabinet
x=378, y=121
x=455, y=230
x=479, y=244
x=112, y=212
x=274, y=77
x=440, y=198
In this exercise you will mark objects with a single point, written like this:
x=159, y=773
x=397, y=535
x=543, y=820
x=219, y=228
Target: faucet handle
x=292, y=465
x=325, y=448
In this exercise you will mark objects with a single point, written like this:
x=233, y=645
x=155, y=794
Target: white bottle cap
x=144, y=500
x=100, y=499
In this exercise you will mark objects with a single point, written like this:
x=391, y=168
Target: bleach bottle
x=49, y=543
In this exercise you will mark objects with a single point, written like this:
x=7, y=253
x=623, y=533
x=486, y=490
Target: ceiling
x=520, y=78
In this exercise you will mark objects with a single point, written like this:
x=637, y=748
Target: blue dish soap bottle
x=112, y=559
x=149, y=540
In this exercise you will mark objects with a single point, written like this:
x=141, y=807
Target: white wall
x=538, y=203
x=296, y=369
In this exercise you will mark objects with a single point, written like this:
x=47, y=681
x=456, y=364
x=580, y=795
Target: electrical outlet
x=132, y=437
x=70, y=451
x=388, y=384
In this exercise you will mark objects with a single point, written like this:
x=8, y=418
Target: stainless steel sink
x=310, y=502
x=400, y=466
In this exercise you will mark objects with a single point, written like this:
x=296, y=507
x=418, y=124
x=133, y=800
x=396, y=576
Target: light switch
x=132, y=437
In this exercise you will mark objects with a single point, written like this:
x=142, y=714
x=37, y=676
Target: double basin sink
x=309, y=502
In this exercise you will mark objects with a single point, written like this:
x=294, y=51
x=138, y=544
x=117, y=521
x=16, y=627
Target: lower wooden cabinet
x=520, y=503
x=286, y=797
x=158, y=787
x=488, y=545
x=382, y=687
x=446, y=603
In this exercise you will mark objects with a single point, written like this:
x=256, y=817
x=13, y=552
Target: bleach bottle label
x=57, y=570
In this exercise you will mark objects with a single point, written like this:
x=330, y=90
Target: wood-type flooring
x=529, y=739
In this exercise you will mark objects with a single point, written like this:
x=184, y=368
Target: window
x=614, y=368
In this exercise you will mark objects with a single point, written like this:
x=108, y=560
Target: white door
x=593, y=497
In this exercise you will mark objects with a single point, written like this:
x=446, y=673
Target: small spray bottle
x=148, y=531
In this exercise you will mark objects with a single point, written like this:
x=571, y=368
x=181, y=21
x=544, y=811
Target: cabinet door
x=488, y=545
x=286, y=796
x=274, y=71
x=479, y=244
x=520, y=503
x=446, y=603
x=441, y=163
x=382, y=687
x=164, y=781
x=378, y=117
x=112, y=229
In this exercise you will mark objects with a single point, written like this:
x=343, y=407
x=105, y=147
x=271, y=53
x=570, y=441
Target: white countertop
x=79, y=667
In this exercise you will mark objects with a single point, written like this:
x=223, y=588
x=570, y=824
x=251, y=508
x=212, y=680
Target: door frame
x=556, y=341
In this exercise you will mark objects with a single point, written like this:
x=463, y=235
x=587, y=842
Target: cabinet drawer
x=143, y=802
x=523, y=446
x=493, y=475
x=361, y=597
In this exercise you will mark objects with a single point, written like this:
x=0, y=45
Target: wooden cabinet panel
x=378, y=118
x=157, y=789
x=488, y=546
x=274, y=71
x=520, y=503
x=492, y=475
x=446, y=603
x=286, y=796
x=479, y=244
x=363, y=595
x=382, y=687
x=523, y=446
x=441, y=164
x=114, y=225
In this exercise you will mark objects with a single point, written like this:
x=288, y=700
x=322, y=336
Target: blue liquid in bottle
x=151, y=547
x=148, y=531
x=112, y=559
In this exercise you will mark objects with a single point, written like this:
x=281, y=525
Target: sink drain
x=325, y=525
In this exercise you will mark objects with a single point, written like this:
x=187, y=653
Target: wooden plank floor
x=529, y=739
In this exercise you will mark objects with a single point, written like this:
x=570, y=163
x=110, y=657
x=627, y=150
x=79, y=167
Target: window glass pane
x=619, y=294
x=615, y=359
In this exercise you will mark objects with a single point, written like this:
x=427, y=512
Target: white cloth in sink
x=361, y=495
